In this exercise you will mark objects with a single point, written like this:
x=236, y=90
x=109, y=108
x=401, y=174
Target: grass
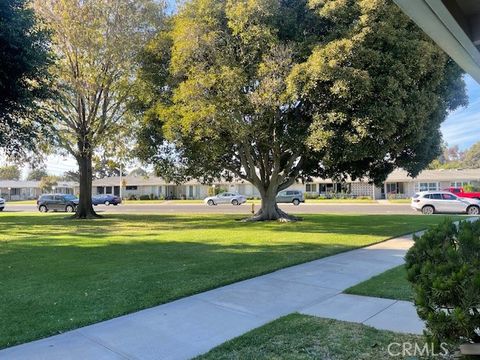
x=22, y=202
x=400, y=201
x=391, y=284
x=306, y=337
x=58, y=274
x=344, y=201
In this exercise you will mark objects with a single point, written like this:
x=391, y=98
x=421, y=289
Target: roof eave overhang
x=435, y=19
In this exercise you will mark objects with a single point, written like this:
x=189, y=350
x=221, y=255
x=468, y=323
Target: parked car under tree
x=225, y=198
x=106, y=199
x=57, y=202
x=2, y=204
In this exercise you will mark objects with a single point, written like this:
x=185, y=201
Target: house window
x=15, y=191
x=458, y=184
x=311, y=187
x=108, y=190
x=432, y=186
x=132, y=188
x=394, y=188
x=100, y=190
x=391, y=188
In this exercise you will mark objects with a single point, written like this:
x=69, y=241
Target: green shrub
x=311, y=196
x=132, y=197
x=444, y=268
x=144, y=197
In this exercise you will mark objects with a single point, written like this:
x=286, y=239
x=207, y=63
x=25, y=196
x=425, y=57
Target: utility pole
x=121, y=182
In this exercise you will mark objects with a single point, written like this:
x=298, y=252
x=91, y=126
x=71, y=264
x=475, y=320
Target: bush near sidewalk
x=444, y=268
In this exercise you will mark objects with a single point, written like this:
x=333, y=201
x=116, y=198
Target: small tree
x=47, y=183
x=472, y=156
x=10, y=172
x=444, y=267
x=37, y=174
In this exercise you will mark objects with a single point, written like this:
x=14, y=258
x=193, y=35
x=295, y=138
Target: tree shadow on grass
x=383, y=225
x=52, y=288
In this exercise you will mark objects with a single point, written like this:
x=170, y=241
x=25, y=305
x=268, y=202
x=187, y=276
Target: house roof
x=16, y=184
x=395, y=176
x=436, y=175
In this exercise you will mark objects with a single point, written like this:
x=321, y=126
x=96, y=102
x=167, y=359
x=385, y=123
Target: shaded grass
x=58, y=274
x=392, y=284
x=306, y=337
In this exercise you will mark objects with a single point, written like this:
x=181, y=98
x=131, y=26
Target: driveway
x=169, y=208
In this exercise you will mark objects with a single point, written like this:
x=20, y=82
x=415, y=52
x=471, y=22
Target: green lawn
x=57, y=274
x=391, y=284
x=306, y=337
x=21, y=202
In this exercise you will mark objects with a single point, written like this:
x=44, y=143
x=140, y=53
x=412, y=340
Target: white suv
x=430, y=202
x=2, y=204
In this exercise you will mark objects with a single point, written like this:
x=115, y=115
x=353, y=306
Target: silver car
x=294, y=197
x=431, y=202
x=225, y=198
x=2, y=204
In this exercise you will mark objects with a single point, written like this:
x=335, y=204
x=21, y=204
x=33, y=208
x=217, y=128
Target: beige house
x=14, y=190
x=397, y=185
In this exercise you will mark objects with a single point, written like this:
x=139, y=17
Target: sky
x=462, y=127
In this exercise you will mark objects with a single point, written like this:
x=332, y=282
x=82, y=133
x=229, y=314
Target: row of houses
x=397, y=185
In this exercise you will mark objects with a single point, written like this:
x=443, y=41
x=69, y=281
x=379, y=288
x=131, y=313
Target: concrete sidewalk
x=191, y=326
x=384, y=314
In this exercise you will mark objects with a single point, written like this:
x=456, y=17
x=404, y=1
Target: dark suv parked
x=57, y=202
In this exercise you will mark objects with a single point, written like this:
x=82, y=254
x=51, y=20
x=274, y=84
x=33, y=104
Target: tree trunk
x=270, y=209
x=85, y=207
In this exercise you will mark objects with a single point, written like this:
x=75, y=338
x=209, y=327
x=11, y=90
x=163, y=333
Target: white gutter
x=434, y=18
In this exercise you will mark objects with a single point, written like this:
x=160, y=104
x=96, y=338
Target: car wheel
x=69, y=209
x=235, y=202
x=473, y=210
x=428, y=210
x=1, y=209
x=42, y=208
x=210, y=203
x=107, y=203
x=115, y=204
x=296, y=202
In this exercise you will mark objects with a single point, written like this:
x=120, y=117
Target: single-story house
x=397, y=185
x=29, y=190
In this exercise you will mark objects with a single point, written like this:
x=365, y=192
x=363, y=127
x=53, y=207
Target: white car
x=225, y=198
x=2, y=204
x=430, y=202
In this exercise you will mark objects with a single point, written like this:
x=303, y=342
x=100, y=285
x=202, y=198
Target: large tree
x=24, y=77
x=272, y=91
x=96, y=43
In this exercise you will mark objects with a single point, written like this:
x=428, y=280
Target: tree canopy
x=472, y=156
x=273, y=91
x=96, y=43
x=24, y=77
